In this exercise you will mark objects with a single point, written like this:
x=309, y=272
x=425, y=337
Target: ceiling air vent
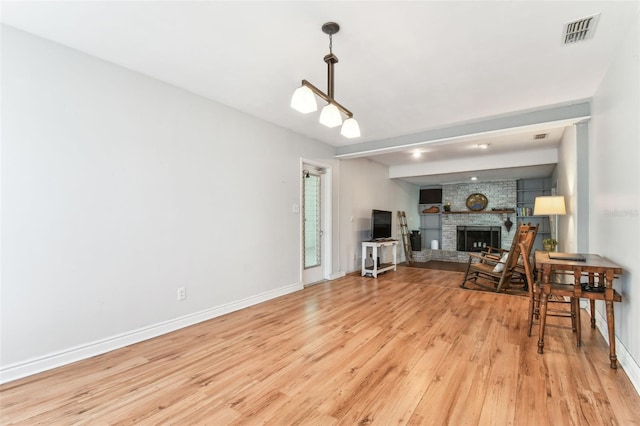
x=540, y=136
x=580, y=30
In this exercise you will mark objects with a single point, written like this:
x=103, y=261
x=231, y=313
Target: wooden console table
x=375, y=246
x=593, y=266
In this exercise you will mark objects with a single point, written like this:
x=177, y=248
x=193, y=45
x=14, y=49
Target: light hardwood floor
x=409, y=347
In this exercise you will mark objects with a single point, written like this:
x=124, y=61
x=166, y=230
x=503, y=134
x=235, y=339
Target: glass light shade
x=350, y=128
x=330, y=116
x=304, y=100
x=549, y=205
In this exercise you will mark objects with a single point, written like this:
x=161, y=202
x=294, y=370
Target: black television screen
x=380, y=224
x=431, y=196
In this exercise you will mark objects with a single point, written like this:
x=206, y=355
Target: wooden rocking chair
x=518, y=270
x=495, y=269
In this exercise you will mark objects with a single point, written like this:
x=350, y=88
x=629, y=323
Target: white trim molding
x=337, y=275
x=58, y=359
x=625, y=360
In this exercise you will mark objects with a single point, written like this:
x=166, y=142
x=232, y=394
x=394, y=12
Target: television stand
x=376, y=245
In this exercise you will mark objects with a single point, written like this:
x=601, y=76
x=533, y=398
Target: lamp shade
x=303, y=100
x=549, y=205
x=350, y=128
x=330, y=116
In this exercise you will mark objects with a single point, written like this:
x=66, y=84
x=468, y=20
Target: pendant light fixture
x=303, y=99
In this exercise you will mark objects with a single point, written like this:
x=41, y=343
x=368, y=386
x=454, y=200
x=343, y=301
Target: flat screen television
x=380, y=224
x=431, y=196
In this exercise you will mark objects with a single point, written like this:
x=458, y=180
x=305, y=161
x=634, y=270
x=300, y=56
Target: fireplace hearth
x=478, y=238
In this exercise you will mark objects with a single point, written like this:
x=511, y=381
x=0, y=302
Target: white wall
x=567, y=186
x=614, y=181
x=365, y=185
x=116, y=190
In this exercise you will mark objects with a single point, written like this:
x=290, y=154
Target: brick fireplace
x=478, y=238
x=500, y=194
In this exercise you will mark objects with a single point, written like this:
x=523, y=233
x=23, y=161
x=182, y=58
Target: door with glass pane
x=312, y=224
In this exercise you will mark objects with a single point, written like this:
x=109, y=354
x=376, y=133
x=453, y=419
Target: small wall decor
x=508, y=224
x=477, y=202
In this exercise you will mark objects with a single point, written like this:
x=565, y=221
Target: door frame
x=326, y=180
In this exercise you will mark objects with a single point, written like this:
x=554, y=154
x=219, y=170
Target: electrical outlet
x=182, y=293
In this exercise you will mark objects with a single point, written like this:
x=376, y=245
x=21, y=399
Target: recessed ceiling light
x=417, y=154
x=474, y=177
x=483, y=145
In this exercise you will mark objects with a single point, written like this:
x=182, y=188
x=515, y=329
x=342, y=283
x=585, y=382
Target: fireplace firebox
x=478, y=238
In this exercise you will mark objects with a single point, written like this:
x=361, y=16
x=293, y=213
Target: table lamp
x=551, y=205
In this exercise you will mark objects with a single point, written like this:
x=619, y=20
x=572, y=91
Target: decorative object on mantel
x=432, y=209
x=477, y=202
x=481, y=212
x=549, y=244
x=447, y=207
x=508, y=224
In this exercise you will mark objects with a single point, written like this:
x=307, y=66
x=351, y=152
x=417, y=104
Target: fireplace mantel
x=482, y=212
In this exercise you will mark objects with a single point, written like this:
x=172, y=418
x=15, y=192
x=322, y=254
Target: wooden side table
x=593, y=266
x=377, y=247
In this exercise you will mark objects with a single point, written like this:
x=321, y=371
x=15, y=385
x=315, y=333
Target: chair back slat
x=528, y=272
x=526, y=235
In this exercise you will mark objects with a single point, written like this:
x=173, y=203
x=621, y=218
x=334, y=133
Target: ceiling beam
x=485, y=162
x=557, y=116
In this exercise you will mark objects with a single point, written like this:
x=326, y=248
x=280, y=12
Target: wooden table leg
x=575, y=306
x=608, y=294
x=592, y=303
x=546, y=289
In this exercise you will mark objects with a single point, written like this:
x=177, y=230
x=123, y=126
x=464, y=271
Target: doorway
x=316, y=223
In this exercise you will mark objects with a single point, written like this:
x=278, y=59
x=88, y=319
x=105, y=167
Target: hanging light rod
x=304, y=101
x=326, y=98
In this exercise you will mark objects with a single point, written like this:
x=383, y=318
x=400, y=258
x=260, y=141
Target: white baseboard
x=336, y=275
x=625, y=360
x=78, y=353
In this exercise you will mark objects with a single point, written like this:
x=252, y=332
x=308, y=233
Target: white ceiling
x=406, y=67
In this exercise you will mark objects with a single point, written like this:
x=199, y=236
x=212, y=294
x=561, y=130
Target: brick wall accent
x=500, y=194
